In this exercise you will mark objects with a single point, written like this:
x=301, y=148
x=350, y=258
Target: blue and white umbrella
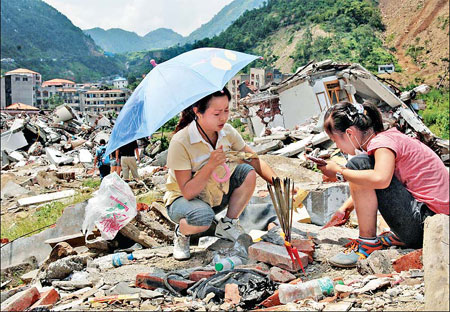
x=171, y=87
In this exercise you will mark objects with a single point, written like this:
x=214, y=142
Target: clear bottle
x=228, y=263
x=316, y=288
x=121, y=258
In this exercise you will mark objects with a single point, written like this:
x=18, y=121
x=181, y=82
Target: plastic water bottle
x=121, y=258
x=228, y=263
x=316, y=288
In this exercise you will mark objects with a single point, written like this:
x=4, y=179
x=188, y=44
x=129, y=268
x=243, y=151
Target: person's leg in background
x=125, y=167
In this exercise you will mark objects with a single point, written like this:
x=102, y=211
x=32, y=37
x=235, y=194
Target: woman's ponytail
x=187, y=116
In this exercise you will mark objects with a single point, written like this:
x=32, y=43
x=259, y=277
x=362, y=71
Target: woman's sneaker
x=181, y=245
x=229, y=230
x=357, y=249
x=389, y=239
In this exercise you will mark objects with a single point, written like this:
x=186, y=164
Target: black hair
x=102, y=141
x=344, y=114
x=188, y=115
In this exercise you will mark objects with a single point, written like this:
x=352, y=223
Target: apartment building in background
x=100, y=100
x=19, y=86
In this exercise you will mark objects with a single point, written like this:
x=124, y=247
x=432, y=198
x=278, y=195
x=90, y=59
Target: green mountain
x=289, y=34
x=224, y=19
x=120, y=41
x=117, y=40
x=40, y=38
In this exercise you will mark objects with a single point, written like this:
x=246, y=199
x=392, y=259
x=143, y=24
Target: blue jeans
x=401, y=211
x=196, y=211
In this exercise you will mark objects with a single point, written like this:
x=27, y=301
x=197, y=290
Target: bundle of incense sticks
x=281, y=194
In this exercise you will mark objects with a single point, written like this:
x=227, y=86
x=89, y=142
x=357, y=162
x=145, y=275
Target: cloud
x=140, y=16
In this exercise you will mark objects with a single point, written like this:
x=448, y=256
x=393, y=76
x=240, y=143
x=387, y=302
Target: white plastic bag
x=111, y=209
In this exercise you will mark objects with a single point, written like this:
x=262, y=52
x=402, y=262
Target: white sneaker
x=229, y=230
x=181, y=245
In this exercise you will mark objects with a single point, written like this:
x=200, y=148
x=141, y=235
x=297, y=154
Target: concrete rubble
x=45, y=157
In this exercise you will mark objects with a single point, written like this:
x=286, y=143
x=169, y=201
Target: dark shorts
x=104, y=170
x=196, y=211
x=401, y=211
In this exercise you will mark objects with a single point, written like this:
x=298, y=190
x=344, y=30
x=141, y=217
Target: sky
x=140, y=16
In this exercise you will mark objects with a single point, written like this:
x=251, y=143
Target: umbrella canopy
x=171, y=87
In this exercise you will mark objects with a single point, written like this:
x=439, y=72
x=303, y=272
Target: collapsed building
x=310, y=91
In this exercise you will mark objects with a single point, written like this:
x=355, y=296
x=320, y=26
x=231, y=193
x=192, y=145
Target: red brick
x=153, y=281
x=232, y=293
x=276, y=255
x=279, y=275
x=198, y=275
x=306, y=246
x=49, y=297
x=412, y=260
x=22, y=300
x=274, y=300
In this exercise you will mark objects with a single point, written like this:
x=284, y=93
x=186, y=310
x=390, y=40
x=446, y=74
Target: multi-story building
x=65, y=89
x=233, y=87
x=101, y=100
x=120, y=83
x=19, y=86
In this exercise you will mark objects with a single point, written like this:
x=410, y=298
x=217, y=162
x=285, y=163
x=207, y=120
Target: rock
x=63, y=267
x=436, y=262
x=279, y=275
x=208, y=297
x=379, y=262
x=232, y=294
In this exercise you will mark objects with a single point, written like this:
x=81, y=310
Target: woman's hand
x=217, y=157
x=330, y=169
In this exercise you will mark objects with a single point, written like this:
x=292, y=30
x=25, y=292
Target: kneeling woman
x=391, y=172
x=197, y=151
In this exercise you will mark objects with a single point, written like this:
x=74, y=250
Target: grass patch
x=45, y=215
x=436, y=115
x=92, y=183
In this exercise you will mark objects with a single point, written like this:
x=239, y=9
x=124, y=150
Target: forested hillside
x=119, y=41
x=40, y=38
x=223, y=19
x=342, y=30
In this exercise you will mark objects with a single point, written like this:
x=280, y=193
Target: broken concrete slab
x=12, y=140
x=45, y=197
x=56, y=157
x=300, y=146
x=264, y=148
x=63, y=113
x=12, y=189
x=85, y=156
x=436, y=262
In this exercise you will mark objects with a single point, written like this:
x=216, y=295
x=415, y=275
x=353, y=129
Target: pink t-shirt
x=419, y=169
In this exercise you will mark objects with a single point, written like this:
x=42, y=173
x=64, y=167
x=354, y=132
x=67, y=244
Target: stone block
x=279, y=275
x=50, y=297
x=232, y=293
x=323, y=200
x=21, y=300
x=274, y=299
x=276, y=255
x=198, y=275
x=153, y=281
x=436, y=262
x=412, y=260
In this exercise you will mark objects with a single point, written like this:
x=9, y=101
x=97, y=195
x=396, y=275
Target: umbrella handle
x=226, y=177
